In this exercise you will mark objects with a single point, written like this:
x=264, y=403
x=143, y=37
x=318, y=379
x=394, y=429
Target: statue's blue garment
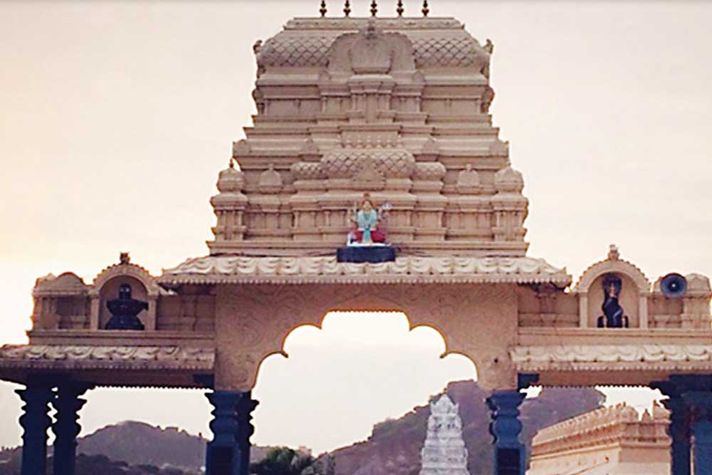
x=366, y=221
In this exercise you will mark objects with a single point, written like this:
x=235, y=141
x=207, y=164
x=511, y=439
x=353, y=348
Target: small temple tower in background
x=444, y=452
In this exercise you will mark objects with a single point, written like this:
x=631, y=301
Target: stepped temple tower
x=444, y=451
x=372, y=135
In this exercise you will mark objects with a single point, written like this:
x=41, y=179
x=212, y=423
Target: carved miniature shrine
x=390, y=114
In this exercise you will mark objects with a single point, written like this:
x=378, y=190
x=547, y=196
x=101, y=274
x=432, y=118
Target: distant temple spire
x=444, y=451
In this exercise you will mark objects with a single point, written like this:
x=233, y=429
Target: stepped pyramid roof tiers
x=444, y=452
x=396, y=107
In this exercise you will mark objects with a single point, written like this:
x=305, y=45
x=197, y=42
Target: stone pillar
x=229, y=451
x=510, y=456
x=679, y=431
x=67, y=403
x=699, y=404
x=245, y=406
x=35, y=421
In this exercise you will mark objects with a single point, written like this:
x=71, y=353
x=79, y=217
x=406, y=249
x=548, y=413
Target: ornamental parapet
x=616, y=424
x=326, y=270
x=615, y=440
x=109, y=365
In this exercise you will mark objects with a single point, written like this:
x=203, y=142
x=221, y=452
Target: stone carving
x=468, y=180
x=65, y=284
x=270, y=180
x=102, y=356
x=613, y=314
x=460, y=314
x=444, y=51
x=625, y=356
x=429, y=171
x=444, y=451
x=124, y=311
x=229, y=269
x=388, y=162
x=229, y=205
x=609, y=440
x=447, y=50
x=126, y=269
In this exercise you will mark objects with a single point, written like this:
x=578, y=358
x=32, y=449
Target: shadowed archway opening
x=359, y=369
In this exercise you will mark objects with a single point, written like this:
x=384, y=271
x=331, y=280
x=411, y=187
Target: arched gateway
x=396, y=108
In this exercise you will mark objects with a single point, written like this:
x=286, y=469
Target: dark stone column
x=509, y=456
x=245, y=406
x=229, y=451
x=35, y=421
x=690, y=404
x=66, y=429
x=700, y=406
x=679, y=431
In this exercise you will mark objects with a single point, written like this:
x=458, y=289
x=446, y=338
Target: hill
x=394, y=445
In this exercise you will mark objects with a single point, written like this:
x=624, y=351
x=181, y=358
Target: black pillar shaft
x=35, y=421
x=67, y=403
x=245, y=406
x=699, y=404
x=679, y=431
x=229, y=451
x=510, y=456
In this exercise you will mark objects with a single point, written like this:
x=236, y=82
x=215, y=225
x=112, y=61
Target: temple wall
x=614, y=440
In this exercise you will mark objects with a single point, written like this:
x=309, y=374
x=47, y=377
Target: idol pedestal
x=360, y=254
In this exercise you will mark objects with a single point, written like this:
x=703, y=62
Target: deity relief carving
x=613, y=314
x=371, y=51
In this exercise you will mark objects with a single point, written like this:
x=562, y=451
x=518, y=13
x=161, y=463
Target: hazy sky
x=115, y=118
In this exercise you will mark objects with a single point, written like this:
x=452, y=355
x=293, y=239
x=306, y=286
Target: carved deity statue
x=124, y=311
x=366, y=219
x=613, y=314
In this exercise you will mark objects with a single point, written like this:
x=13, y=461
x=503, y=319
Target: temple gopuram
x=372, y=179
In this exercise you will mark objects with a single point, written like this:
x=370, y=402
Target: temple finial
x=322, y=10
x=347, y=8
x=426, y=8
x=374, y=7
x=613, y=253
x=400, y=8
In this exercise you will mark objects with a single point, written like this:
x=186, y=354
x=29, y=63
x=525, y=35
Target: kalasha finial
x=124, y=258
x=232, y=162
x=613, y=254
x=426, y=8
x=400, y=8
x=347, y=8
x=322, y=10
x=374, y=7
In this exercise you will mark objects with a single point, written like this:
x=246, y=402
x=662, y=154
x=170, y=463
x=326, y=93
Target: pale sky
x=116, y=117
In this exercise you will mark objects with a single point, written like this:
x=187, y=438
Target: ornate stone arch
x=250, y=332
x=613, y=265
x=125, y=269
